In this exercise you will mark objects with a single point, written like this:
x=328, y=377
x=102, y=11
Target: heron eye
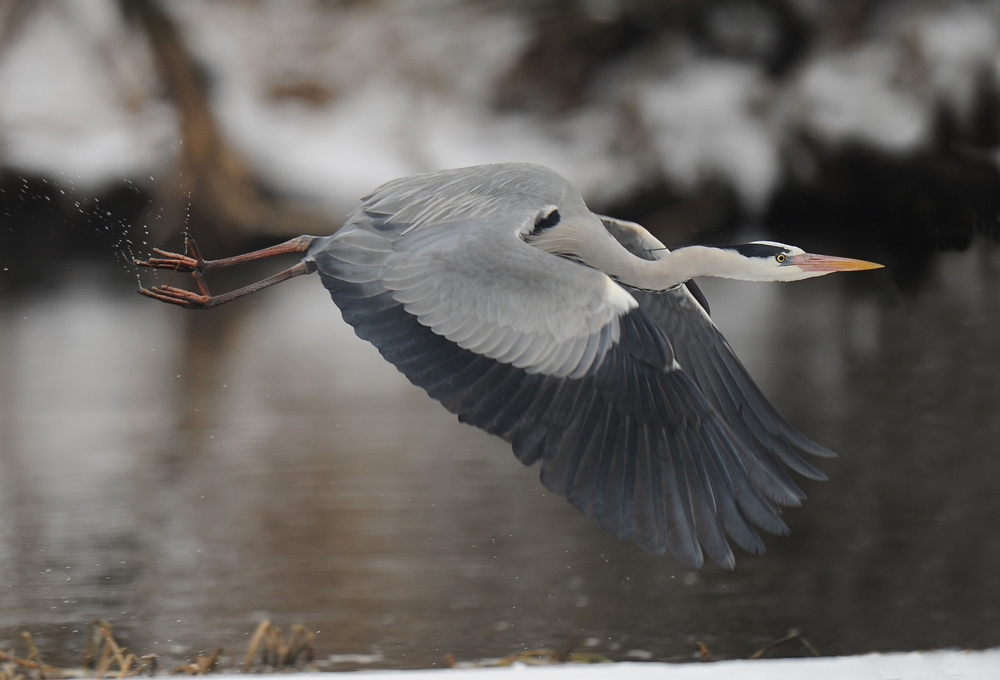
x=780, y=257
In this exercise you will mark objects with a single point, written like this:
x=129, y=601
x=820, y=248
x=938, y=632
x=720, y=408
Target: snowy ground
x=910, y=666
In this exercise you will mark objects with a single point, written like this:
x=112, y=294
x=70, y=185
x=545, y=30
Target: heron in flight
x=578, y=338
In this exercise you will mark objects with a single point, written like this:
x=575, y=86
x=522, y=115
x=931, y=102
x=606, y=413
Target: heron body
x=578, y=338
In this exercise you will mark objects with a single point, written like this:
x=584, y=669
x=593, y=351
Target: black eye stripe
x=762, y=250
x=543, y=222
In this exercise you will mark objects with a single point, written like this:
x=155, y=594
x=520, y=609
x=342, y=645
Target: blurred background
x=187, y=474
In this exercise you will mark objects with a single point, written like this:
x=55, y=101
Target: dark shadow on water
x=184, y=475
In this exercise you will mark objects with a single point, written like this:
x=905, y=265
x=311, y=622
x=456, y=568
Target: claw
x=174, y=261
x=177, y=261
x=194, y=264
x=176, y=296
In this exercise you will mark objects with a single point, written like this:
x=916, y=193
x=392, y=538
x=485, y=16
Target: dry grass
x=275, y=651
x=269, y=650
x=103, y=657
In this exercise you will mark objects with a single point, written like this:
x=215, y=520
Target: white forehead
x=792, y=250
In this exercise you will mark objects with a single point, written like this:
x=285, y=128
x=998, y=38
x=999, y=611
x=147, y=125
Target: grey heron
x=580, y=339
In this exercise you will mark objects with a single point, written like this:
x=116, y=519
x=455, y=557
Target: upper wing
x=625, y=436
x=476, y=283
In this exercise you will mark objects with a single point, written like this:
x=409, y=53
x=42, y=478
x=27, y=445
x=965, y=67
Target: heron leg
x=205, y=300
x=192, y=261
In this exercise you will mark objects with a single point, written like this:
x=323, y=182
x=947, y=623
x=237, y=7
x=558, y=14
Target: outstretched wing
x=683, y=315
x=705, y=354
x=555, y=358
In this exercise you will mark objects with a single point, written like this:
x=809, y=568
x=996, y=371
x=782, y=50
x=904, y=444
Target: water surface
x=186, y=474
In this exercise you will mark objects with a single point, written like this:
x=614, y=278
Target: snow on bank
x=328, y=101
x=853, y=96
x=899, y=666
x=75, y=98
x=703, y=126
x=408, y=89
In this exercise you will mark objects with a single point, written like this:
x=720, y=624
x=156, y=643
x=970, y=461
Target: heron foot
x=179, y=262
x=178, y=296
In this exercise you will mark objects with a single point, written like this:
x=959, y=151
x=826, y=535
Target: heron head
x=772, y=261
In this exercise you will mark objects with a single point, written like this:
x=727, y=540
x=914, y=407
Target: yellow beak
x=828, y=263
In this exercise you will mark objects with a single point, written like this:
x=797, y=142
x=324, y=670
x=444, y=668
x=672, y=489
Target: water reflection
x=185, y=474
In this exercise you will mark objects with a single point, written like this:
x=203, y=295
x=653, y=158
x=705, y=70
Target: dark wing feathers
x=634, y=445
x=699, y=296
x=674, y=459
x=702, y=350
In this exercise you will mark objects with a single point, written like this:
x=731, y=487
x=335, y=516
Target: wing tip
x=804, y=443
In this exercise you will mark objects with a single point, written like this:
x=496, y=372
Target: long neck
x=590, y=242
x=671, y=268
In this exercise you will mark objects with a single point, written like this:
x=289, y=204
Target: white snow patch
x=899, y=666
x=957, y=47
x=702, y=122
x=74, y=100
x=329, y=100
x=854, y=96
x=361, y=659
x=411, y=89
x=416, y=96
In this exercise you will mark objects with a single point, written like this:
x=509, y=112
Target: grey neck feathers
x=677, y=266
x=597, y=248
